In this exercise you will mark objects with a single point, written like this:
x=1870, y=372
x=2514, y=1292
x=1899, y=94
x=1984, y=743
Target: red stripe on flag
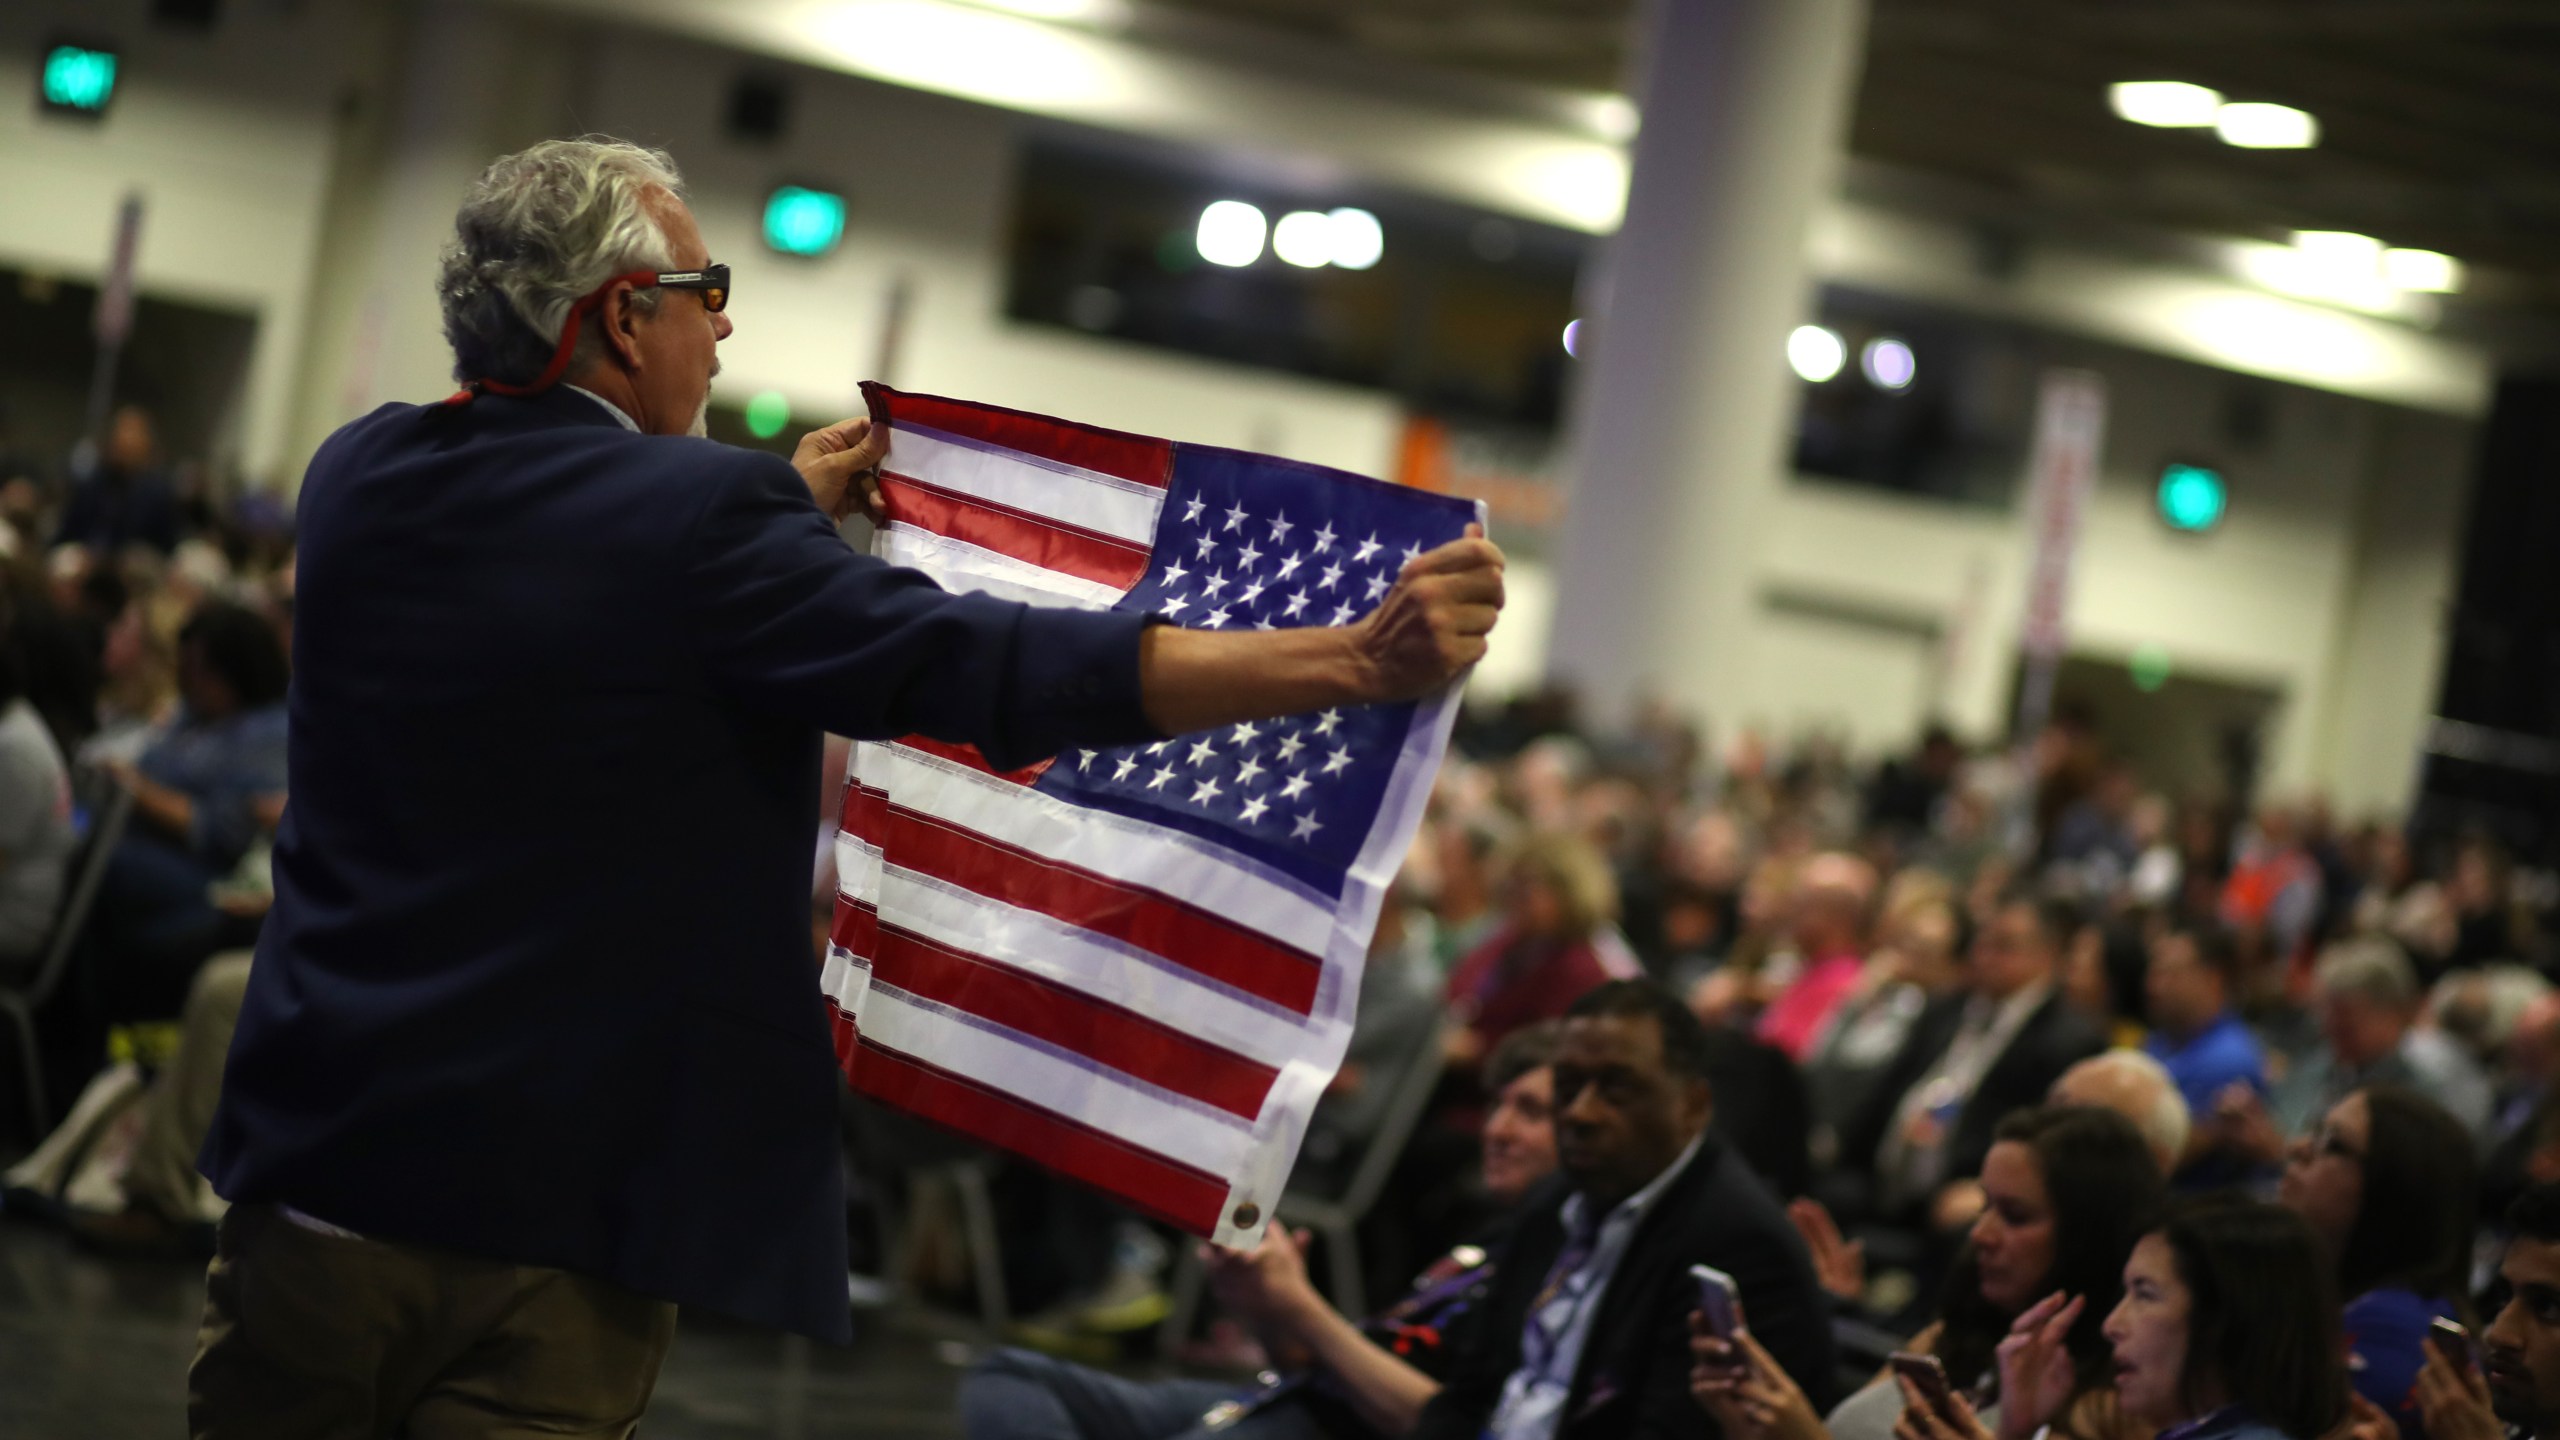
x=1174, y=1193
x=1135, y=1046
x=865, y=814
x=968, y=755
x=856, y=928
x=1194, y=939
x=1109, y=452
x=1019, y=534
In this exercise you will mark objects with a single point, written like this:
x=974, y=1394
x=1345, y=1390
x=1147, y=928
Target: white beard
x=700, y=429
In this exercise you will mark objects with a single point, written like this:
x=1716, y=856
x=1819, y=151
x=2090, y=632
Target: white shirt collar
x=609, y=407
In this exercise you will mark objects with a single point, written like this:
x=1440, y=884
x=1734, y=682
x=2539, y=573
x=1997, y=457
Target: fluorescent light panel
x=2164, y=102
x=2257, y=125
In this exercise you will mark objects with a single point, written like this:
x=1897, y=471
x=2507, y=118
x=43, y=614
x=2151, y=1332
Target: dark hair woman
x=2387, y=1184
x=2228, y=1330
x=2067, y=1191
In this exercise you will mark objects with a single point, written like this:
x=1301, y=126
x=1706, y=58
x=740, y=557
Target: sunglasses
x=711, y=282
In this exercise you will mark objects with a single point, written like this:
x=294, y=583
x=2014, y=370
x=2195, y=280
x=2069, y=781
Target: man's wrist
x=1356, y=671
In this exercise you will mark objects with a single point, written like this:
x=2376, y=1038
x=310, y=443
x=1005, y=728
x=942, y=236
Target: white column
x=464, y=84
x=1684, y=409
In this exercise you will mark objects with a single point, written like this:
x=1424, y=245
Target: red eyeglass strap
x=559, y=365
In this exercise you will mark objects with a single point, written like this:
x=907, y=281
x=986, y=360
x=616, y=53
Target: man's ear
x=618, y=321
x=1700, y=1099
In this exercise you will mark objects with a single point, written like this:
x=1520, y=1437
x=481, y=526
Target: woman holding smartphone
x=2067, y=1191
x=2228, y=1330
x=2387, y=1184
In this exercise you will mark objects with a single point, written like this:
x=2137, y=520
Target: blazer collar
x=559, y=405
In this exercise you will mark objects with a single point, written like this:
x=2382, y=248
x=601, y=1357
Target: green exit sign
x=76, y=79
x=2192, y=497
x=799, y=220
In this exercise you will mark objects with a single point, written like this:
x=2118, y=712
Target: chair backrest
x=1403, y=1115
x=87, y=873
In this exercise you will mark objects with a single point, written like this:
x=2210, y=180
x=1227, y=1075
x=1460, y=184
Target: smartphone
x=1928, y=1375
x=1716, y=1301
x=2453, y=1340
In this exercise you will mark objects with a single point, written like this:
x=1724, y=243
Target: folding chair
x=20, y=1000
x=1337, y=1218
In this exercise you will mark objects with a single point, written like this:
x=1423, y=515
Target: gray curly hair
x=537, y=230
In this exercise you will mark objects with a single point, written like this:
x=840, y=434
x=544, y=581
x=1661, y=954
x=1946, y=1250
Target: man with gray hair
x=534, y=1049
x=2368, y=1007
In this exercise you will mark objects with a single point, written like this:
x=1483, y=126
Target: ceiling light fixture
x=2427, y=272
x=1230, y=233
x=1888, y=362
x=2164, y=102
x=2257, y=125
x=1358, y=240
x=1816, y=353
x=1303, y=238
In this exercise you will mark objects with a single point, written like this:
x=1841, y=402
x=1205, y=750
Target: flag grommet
x=1248, y=1215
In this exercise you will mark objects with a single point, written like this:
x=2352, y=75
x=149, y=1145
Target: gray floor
x=97, y=1350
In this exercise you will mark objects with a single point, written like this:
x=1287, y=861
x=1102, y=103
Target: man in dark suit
x=1586, y=1332
x=534, y=1042
x=1995, y=1046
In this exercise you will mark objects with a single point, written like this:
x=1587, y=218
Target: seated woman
x=2068, y=1190
x=2228, y=1330
x=1559, y=937
x=36, y=835
x=2387, y=1183
x=205, y=789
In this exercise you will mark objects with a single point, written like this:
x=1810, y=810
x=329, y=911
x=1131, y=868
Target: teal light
x=800, y=221
x=79, y=79
x=767, y=414
x=2192, y=497
x=2150, y=667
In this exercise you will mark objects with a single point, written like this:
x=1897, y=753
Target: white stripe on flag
x=966, y=569
x=1091, y=964
x=1182, y=1131
x=1133, y=852
x=1104, y=504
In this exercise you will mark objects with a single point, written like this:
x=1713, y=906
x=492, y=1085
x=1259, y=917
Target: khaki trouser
x=178, y=1109
x=314, y=1335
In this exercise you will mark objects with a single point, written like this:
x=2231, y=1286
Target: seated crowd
x=2001, y=1096
x=2089, y=1113
x=145, y=636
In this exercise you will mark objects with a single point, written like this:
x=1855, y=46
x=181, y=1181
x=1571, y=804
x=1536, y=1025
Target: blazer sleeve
x=787, y=615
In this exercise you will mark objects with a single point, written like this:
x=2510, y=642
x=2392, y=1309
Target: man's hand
x=1430, y=628
x=2453, y=1400
x=1433, y=624
x=841, y=464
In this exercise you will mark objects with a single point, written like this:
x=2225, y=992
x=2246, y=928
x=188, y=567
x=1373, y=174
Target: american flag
x=1136, y=966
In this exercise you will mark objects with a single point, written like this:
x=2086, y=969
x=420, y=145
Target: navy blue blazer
x=537, y=986
x=1631, y=1381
